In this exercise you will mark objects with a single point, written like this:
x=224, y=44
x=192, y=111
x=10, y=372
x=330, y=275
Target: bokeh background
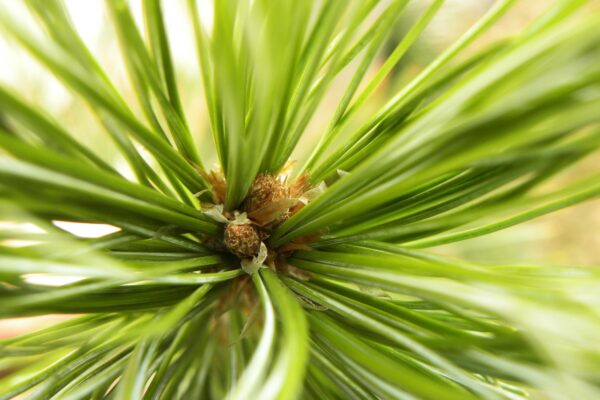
x=567, y=237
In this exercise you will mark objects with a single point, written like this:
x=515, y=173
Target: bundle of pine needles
x=269, y=279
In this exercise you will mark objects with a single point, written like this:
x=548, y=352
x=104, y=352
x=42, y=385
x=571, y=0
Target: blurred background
x=568, y=237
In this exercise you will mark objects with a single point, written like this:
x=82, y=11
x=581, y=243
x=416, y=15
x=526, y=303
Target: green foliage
x=463, y=149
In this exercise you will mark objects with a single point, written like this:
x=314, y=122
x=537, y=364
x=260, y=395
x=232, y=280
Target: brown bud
x=243, y=240
x=265, y=190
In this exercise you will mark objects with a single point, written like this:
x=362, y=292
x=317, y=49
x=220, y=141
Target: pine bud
x=243, y=240
x=265, y=190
